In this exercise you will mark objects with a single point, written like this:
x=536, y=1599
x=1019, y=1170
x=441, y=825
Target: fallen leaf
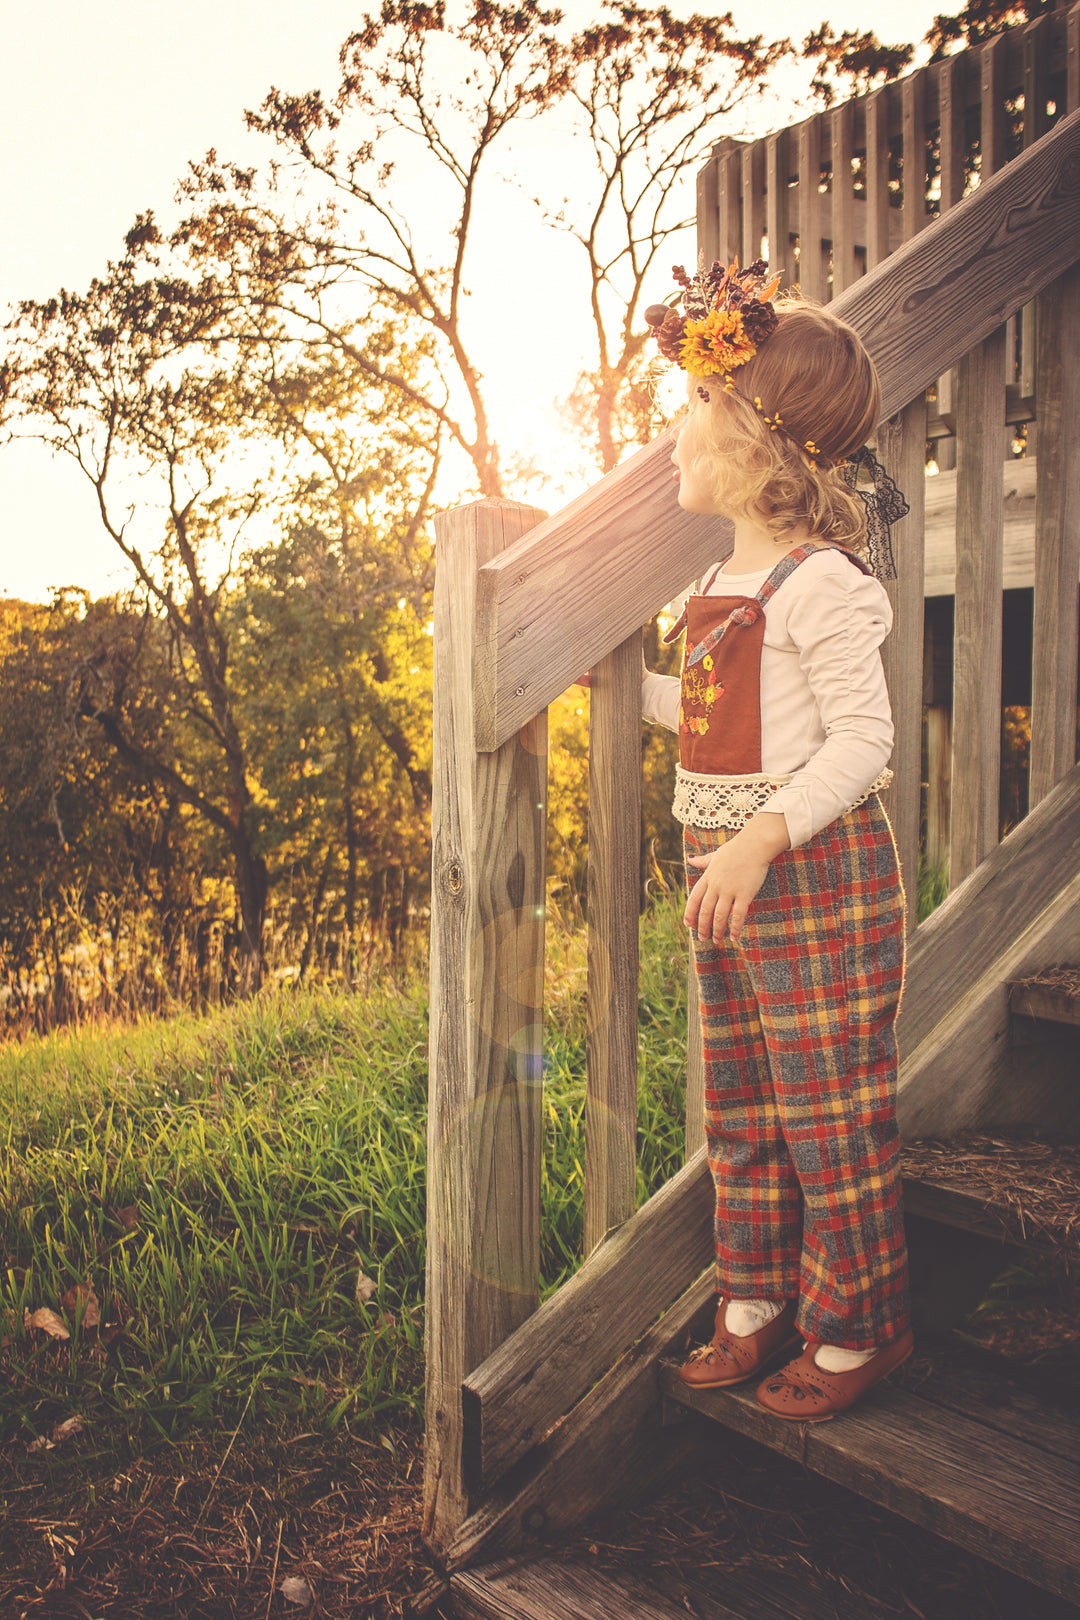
x=48, y=1321
x=294, y=1589
x=366, y=1287
x=82, y=1294
x=128, y=1216
x=66, y=1431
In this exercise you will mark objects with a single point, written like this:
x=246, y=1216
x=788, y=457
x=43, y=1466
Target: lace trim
x=730, y=801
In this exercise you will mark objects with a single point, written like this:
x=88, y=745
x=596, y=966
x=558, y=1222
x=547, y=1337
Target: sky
x=103, y=108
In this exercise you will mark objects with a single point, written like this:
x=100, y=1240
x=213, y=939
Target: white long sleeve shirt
x=826, y=723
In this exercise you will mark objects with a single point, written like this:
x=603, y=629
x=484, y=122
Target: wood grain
x=611, y=1449
x=842, y=222
x=976, y=719
x=1018, y=529
x=778, y=206
x=964, y=939
x=532, y=1379
x=902, y=447
x=1057, y=537
x=487, y=954
x=695, y=1066
x=811, y=280
x=1042, y=1001
x=613, y=899
x=1016, y=1506
x=877, y=178
x=577, y=587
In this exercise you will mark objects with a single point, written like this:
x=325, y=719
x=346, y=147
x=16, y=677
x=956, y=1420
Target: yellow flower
x=718, y=343
x=707, y=661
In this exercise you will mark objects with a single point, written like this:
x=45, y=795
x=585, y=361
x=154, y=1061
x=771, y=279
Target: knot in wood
x=534, y=1520
x=454, y=877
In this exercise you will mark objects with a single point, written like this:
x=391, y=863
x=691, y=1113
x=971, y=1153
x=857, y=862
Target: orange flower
x=718, y=343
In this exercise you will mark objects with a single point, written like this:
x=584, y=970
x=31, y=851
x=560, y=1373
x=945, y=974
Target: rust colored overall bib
x=797, y=1022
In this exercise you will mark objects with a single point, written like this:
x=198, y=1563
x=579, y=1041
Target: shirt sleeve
x=660, y=699
x=838, y=625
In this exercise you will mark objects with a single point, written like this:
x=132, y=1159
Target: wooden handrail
x=581, y=582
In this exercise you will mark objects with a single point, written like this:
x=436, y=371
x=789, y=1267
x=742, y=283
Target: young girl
x=796, y=906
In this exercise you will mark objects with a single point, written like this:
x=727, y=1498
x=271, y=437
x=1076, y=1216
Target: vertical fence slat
x=1057, y=538
x=777, y=208
x=695, y=1067
x=614, y=890
x=729, y=211
x=753, y=200
x=976, y=746
x=487, y=979
x=811, y=281
x=877, y=177
x=1072, y=58
x=913, y=103
x=1036, y=39
x=708, y=210
x=902, y=443
x=951, y=106
x=842, y=132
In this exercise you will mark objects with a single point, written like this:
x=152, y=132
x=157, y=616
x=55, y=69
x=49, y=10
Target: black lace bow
x=885, y=505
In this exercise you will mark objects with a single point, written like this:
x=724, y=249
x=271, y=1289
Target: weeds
x=228, y=1189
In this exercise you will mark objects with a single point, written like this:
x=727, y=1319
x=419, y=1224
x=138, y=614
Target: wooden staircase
x=542, y=1416
x=955, y=1442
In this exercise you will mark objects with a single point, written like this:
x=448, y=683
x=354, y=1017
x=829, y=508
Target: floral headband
x=727, y=315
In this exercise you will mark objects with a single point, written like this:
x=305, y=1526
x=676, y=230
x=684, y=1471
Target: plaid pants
x=800, y=1083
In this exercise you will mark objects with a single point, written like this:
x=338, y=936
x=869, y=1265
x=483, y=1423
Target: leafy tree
x=424, y=105
x=193, y=422
x=979, y=20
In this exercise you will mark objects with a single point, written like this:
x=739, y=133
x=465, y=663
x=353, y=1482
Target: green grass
x=221, y=1182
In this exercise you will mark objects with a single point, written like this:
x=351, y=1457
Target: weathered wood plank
x=527, y=1384
x=902, y=446
x=729, y=207
x=485, y=1054
x=611, y=1449
x=614, y=889
x=1018, y=528
x=708, y=210
x=951, y=87
x=976, y=722
x=752, y=158
x=952, y=1204
x=1043, y=1001
x=811, y=281
x=959, y=1380
x=576, y=587
x=1016, y=1506
x=878, y=245
x=1057, y=538
x=695, y=1067
x=998, y=905
x=842, y=200
x=778, y=207
x=561, y=1586
x=966, y=1074
x=913, y=101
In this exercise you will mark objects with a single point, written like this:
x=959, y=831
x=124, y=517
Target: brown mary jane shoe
x=808, y=1393
x=733, y=1359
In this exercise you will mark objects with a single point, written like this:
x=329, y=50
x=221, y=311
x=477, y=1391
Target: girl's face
x=693, y=495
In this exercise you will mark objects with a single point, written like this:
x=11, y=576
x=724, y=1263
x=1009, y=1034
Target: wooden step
x=949, y=1444
x=1017, y=1189
x=1052, y=996
x=568, y=1587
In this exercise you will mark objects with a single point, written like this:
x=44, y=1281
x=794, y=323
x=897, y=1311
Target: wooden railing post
x=614, y=908
x=487, y=975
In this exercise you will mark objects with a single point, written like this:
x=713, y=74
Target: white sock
x=746, y=1316
x=834, y=1358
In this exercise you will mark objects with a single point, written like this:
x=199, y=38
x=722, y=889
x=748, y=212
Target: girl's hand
x=732, y=875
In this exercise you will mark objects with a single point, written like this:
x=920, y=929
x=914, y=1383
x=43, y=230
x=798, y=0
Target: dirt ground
x=291, y=1523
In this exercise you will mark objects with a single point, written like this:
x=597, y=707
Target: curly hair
x=815, y=375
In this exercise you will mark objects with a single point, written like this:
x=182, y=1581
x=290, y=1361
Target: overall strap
x=749, y=615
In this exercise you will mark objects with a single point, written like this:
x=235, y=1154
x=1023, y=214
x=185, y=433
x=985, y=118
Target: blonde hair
x=813, y=373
